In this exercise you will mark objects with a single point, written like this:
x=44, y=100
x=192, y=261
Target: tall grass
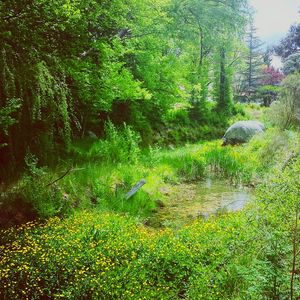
x=229, y=162
x=102, y=181
x=118, y=146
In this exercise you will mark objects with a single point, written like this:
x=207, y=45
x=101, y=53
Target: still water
x=185, y=202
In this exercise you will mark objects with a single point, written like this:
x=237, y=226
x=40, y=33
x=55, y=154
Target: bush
x=118, y=146
x=34, y=192
x=285, y=112
x=32, y=198
x=278, y=222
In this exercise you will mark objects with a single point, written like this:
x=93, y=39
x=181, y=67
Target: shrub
x=118, y=146
x=34, y=192
x=285, y=113
x=278, y=221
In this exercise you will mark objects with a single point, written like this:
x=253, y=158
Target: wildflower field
x=96, y=255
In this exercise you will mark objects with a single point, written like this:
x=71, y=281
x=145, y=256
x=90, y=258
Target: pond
x=185, y=202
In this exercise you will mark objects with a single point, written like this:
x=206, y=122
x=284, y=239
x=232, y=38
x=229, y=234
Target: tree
x=271, y=76
x=268, y=94
x=267, y=57
x=292, y=64
x=130, y=61
x=269, y=86
x=290, y=44
x=68, y=62
x=286, y=112
x=254, y=62
x=209, y=31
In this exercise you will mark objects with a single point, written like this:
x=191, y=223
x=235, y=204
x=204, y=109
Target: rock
x=242, y=132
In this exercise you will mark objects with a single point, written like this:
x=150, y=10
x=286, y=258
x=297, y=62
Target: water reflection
x=189, y=201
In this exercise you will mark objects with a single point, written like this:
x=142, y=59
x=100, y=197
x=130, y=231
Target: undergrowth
x=96, y=253
x=100, y=175
x=102, y=255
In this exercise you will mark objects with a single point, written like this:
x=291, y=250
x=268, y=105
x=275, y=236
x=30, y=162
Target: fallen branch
x=61, y=177
x=135, y=189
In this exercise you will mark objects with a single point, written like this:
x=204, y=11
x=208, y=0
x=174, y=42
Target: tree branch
x=61, y=177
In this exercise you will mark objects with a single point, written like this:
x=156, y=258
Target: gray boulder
x=242, y=132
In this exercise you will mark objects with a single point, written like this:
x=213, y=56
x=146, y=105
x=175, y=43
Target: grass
x=103, y=183
x=99, y=249
x=103, y=255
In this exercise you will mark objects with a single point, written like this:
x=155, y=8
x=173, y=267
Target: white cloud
x=274, y=17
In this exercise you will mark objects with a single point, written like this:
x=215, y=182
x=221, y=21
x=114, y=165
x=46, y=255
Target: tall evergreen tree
x=254, y=63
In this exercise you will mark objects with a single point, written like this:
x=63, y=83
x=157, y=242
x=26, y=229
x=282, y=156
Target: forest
x=116, y=178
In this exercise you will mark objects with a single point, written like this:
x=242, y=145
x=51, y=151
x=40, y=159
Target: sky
x=273, y=19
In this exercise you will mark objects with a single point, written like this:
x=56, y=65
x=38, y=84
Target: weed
x=118, y=146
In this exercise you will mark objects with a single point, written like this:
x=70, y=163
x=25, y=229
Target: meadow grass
x=95, y=254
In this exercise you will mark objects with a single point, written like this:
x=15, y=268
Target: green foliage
x=36, y=190
x=245, y=255
x=97, y=248
x=6, y=119
x=46, y=201
x=118, y=146
x=285, y=112
x=250, y=75
x=242, y=255
x=268, y=93
x=31, y=198
x=185, y=163
x=87, y=61
x=278, y=214
x=229, y=162
x=291, y=64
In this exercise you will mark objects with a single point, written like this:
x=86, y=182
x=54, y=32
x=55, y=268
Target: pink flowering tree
x=271, y=76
